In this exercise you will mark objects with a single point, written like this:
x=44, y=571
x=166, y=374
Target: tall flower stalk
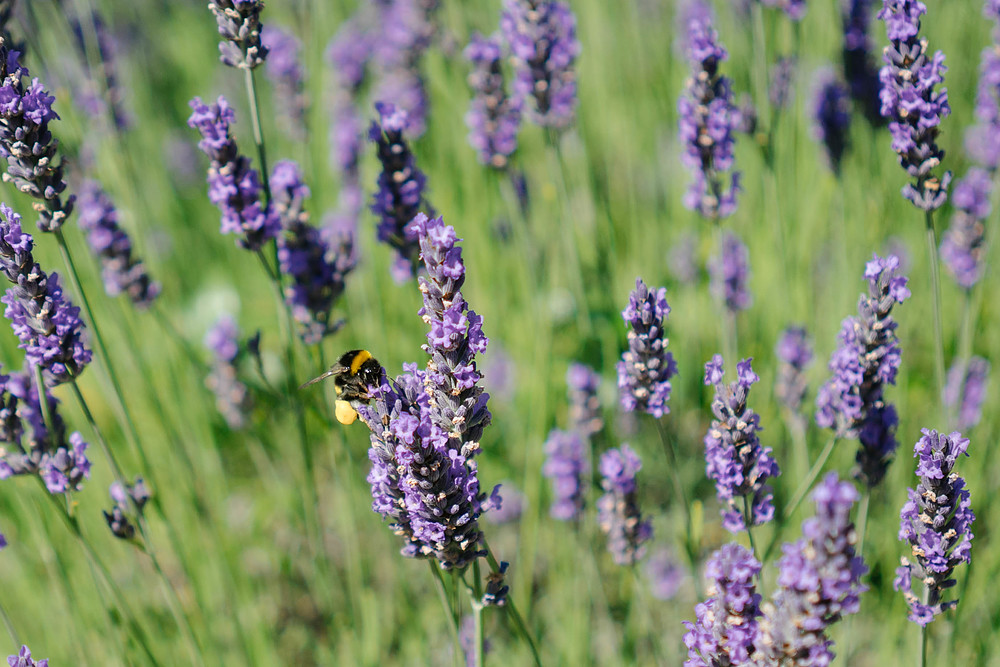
x=618, y=512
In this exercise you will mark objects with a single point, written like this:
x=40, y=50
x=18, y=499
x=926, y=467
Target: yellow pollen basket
x=346, y=414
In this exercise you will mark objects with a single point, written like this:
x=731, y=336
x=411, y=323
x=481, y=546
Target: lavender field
x=658, y=333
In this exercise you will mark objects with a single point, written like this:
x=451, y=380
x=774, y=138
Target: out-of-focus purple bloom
x=46, y=322
x=511, y=508
x=794, y=9
x=729, y=272
x=965, y=390
x=735, y=459
x=618, y=511
x=284, y=70
x=567, y=464
x=583, y=385
x=646, y=367
x=494, y=117
x=405, y=29
x=239, y=25
x=894, y=245
x=982, y=140
x=349, y=52
x=963, y=245
x=346, y=137
x=779, y=93
x=467, y=640
x=541, y=35
x=400, y=194
x=707, y=119
x=129, y=502
x=794, y=351
x=851, y=402
x=747, y=122
x=23, y=659
x=831, y=117
x=232, y=398
x=911, y=104
x=233, y=185
x=819, y=582
x=937, y=522
x=665, y=574
x=111, y=97
x=123, y=273
x=25, y=141
x=859, y=68
x=500, y=373
x=726, y=624
x=682, y=260
x=6, y=15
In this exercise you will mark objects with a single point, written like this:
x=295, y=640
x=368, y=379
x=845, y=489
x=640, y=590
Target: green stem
x=258, y=134
x=936, y=298
x=9, y=624
x=690, y=549
x=177, y=608
x=748, y=522
x=449, y=612
x=866, y=497
x=727, y=318
x=512, y=608
x=476, y=598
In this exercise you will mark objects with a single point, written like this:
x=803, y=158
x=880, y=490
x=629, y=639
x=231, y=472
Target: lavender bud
x=911, y=104
x=735, y=459
x=963, y=245
x=794, y=351
x=123, y=273
x=232, y=398
x=567, y=464
x=936, y=521
x=831, y=117
x=493, y=118
x=645, y=369
x=618, y=509
x=729, y=274
x=127, y=510
x=583, y=384
x=496, y=587
x=966, y=390
x=284, y=70
x=23, y=659
x=239, y=25
x=859, y=69
x=851, y=402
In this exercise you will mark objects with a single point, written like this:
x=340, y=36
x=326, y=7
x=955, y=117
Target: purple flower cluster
x=911, y=104
x=233, y=184
x=725, y=625
x=23, y=659
x=618, y=509
x=851, y=402
x=400, y=194
x=859, y=68
x=426, y=424
x=41, y=449
x=105, y=94
x=567, y=464
x=729, y=273
x=707, y=119
x=646, y=367
x=735, y=459
x=122, y=273
x=284, y=70
x=46, y=322
x=494, y=117
x=348, y=53
x=982, y=140
x=794, y=9
x=965, y=390
x=129, y=503
x=239, y=25
x=541, y=35
x=33, y=165
x=963, y=245
x=794, y=351
x=831, y=117
x=304, y=256
x=583, y=384
x=404, y=31
x=231, y=396
x=665, y=574
x=936, y=521
x=819, y=582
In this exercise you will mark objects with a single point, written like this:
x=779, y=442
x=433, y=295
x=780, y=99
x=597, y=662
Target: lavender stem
x=512, y=609
x=862, y=522
x=9, y=624
x=258, y=134
x=932, y=250
x=727, y=320
x=748, y=521
x=690, y=549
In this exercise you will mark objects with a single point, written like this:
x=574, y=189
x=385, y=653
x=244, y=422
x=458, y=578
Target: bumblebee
x=352, y=375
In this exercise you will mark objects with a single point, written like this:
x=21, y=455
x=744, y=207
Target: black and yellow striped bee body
x=353, y=373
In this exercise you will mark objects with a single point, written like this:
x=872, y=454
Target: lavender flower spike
x=707, y=119
x=725, y=625
x=831, y=118
x=936, y=521
x=583, y=384
x=859, y=70
x=541, y=35
x=982, y=140
x=122, y=272
x=284, y=70
x=645, y=369
x=47, y=324
x=233, y=185
x=963, y=245
x=819, y=582
x=239, y=25
x=794, y=351
x=33, y=165
x=794, y=9
x=735, y=459
x=23, y=659
x=400, y=194
x=494, y=117
x=729, y=273
x=965, y=390
x=618, y=509
x=567, y=464
x=127, y=511
x=231, y=396
x=851, y=402
x=911, y=104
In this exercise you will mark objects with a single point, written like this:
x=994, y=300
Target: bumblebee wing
x=336, y=370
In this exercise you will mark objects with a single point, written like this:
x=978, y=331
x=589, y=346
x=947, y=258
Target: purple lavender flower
x=911, y=104
x=303, y=255
x=23, y=659
x=645, y=369
x=129, y=502
x=982, y=140
x=346, y=132
x=851, y=402
x=819, y=582
x=618, y=509
x=859, y=69
x=779, y=93
x=541, y=35
x=965, y=390
x=405, y=32
x=123, y=273
x=400, y=193
x=349, y=52
x=735, y=459
x=6, y=16
x=583, y=384
x=567, y=464
x=794, y=9
x=665, y=574
x=494, y=117
x=284, y=69
x=511, y=508
x=47, y=323
x=467, y=640
x=725, y=625
x=831, y=117
x=231, y=396
x=963, y=245
x=707, y=119
x=33, y=165
x=936, y=521
x=233, y=185
x=426, y=425
x=239, y=25
x=794, y=351
x=729, y=274
x=111, y=98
